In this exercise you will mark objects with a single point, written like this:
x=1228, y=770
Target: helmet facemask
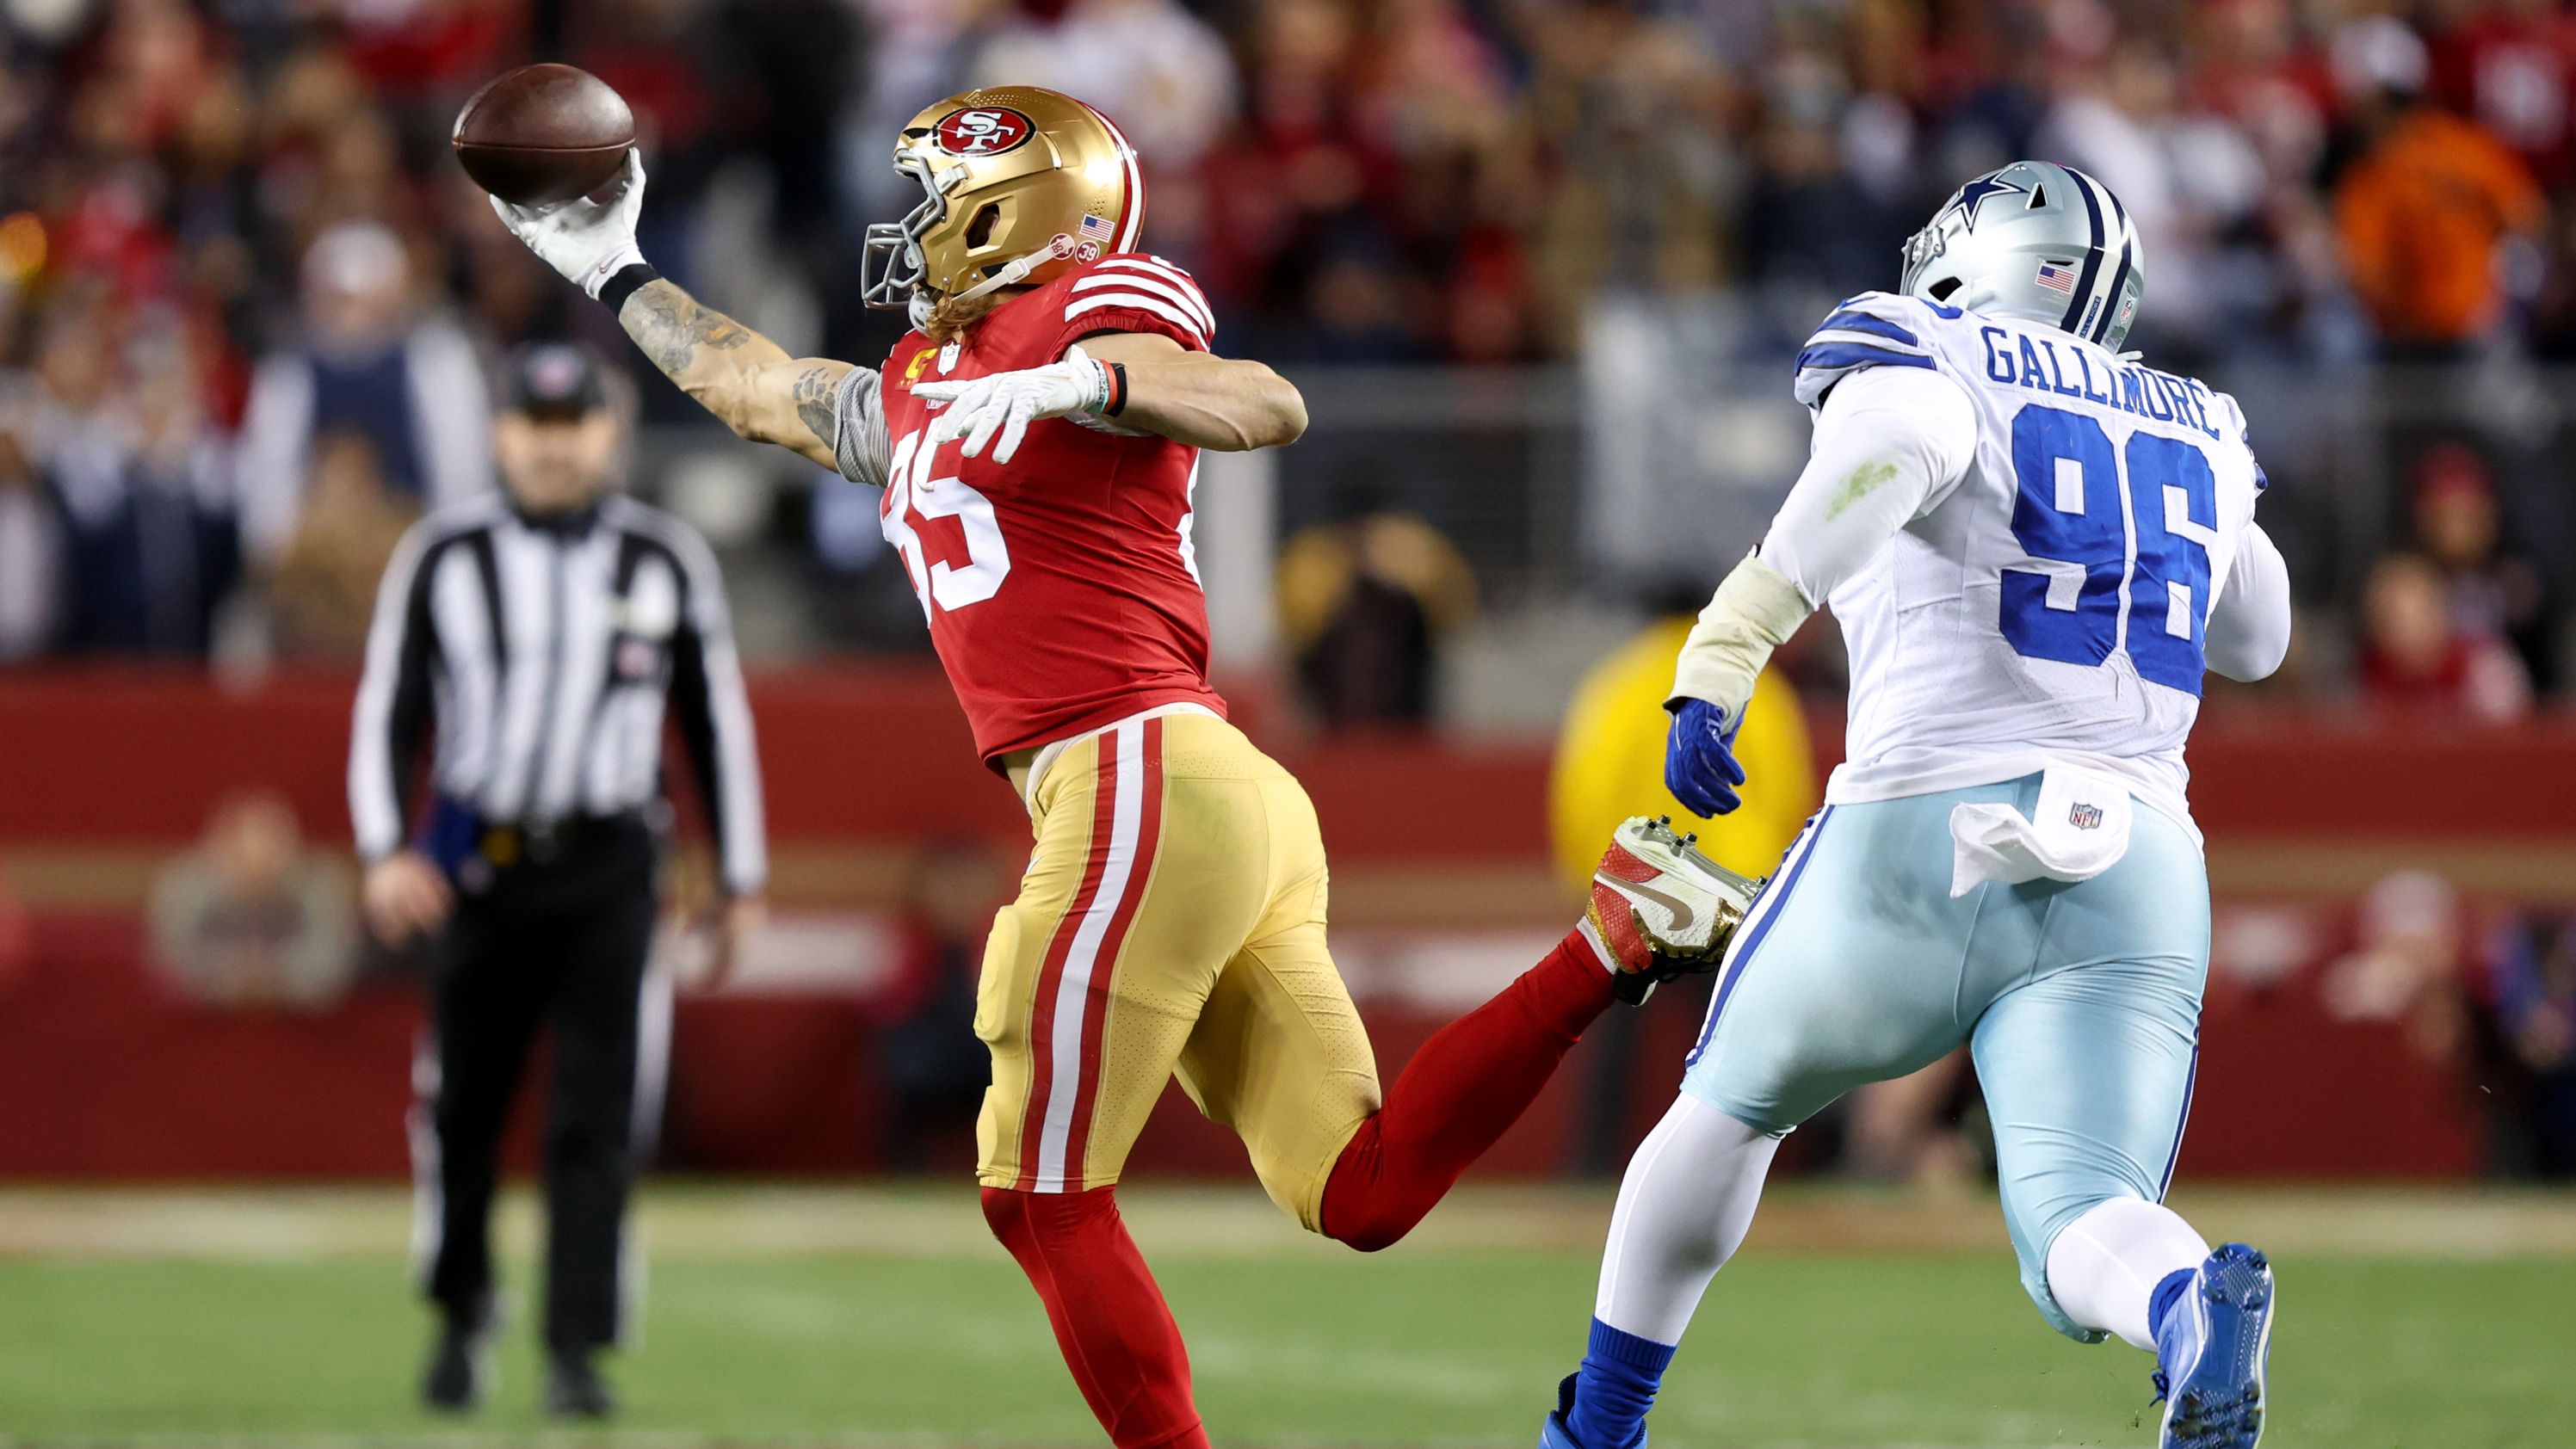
x=891, y=264
x=1922, y=254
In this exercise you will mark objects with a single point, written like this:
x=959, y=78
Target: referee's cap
x=554, y=381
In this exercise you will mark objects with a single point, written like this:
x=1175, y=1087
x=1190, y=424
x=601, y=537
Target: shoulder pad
x=1132, y=291
x=1874, y=329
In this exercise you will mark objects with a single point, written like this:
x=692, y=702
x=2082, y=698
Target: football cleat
x=2211, y=1349
x=1557, y=1432
x=1660, y=909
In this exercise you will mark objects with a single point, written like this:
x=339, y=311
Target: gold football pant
x=1171, y=924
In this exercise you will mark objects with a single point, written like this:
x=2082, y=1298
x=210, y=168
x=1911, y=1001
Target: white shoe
x=1660, y=909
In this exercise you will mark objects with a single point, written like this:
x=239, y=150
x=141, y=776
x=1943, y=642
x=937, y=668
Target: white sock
x=1683, y=1210
x=2106, y=1264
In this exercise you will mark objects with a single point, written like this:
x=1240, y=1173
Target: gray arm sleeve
x=862, y=449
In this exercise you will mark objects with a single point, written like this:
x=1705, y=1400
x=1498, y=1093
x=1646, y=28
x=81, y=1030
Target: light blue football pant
x=2080, y=1002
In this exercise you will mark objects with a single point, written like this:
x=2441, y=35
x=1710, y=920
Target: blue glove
x=1699, y=759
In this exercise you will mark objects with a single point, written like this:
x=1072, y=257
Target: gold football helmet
x=1018, y=184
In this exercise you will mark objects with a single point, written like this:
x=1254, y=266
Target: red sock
x=1468, y=1083
x=1116, y=1332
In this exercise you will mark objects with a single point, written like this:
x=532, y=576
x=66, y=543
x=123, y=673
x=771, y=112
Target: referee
x=545, y=630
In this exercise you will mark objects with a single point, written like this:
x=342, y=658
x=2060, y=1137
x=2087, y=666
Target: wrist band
x=624, y=283
x=1117, y=403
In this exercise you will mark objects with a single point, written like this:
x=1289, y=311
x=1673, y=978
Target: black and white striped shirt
x=547, y=651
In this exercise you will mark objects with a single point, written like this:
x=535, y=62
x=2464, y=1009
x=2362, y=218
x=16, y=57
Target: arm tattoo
x=670, y=325
x=815, y=391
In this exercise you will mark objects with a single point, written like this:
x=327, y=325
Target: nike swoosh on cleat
x=1682, y=913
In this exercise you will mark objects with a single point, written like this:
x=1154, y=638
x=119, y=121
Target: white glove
x=1007, y=402
x=588, y=241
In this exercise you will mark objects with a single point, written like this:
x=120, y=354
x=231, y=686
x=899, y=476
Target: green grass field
x=848, y=1317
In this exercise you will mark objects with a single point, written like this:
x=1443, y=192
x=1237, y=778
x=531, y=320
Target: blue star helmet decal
x=1974, y=194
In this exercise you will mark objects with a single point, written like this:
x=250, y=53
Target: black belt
x=544, y=842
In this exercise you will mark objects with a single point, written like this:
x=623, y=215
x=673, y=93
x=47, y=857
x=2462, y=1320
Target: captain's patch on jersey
x=983, y=131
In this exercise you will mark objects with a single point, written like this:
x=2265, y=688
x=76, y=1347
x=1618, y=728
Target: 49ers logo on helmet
x=983, y=131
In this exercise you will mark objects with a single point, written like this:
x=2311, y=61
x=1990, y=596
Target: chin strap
x=1009, y=275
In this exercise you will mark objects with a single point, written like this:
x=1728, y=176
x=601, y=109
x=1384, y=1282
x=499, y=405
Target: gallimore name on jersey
x=2051, y=601
x=2017, y=358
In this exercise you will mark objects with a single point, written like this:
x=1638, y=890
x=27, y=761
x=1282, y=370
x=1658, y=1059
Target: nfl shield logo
x=2085, y=817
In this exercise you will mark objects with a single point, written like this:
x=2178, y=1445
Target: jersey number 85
x=911, y=493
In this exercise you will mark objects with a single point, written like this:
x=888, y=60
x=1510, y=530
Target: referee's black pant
x=559, y=941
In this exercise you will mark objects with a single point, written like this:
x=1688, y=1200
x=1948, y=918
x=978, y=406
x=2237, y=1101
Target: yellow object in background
x=1610, y=763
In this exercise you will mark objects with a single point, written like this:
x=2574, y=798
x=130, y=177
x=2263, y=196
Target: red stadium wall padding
x=2284, y=1091
x=880, y=752
x=107, y=1076
x=110, y=1078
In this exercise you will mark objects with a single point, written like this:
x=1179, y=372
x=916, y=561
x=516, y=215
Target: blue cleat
x=1554, y=1434
x=1558, y=1433
x=2211, y=1348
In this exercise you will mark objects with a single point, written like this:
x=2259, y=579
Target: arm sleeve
x=861, y=446
x=1135, y=293
x=714, y=717
x=2249, y=625
x=394, y=702
x=1891, y=443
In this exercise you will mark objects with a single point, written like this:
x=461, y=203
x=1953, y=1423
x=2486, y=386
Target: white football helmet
x=2038, y=241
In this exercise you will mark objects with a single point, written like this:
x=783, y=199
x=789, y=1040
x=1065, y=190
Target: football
x=543, y=133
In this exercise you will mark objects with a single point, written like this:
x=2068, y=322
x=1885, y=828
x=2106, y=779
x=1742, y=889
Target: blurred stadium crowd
x=246, y=301
x=243, y=291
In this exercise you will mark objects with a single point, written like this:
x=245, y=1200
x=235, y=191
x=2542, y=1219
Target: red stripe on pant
x=1095, y=1006
x=1104, y=805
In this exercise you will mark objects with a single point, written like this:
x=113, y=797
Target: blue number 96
x=2067, y=511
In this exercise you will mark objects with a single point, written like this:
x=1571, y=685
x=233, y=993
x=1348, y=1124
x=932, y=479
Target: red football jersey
x=1060, y=586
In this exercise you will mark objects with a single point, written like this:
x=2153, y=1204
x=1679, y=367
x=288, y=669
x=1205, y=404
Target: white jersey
x=2052, y=602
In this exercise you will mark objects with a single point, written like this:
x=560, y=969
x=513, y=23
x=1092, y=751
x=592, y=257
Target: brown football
x=543, y=133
